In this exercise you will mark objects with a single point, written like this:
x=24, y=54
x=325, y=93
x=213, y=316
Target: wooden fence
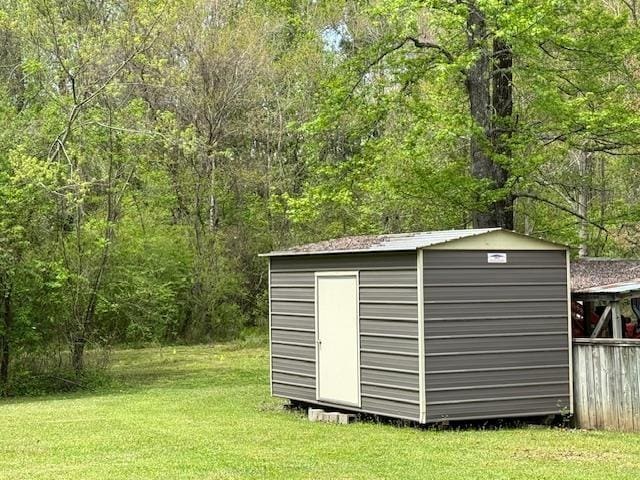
x=606, y=383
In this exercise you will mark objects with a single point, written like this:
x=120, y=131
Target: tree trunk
x=491, y=110
x=7, y=325
x=583, y=198
x=477, y=83
x=502, y=128
x=77, y=354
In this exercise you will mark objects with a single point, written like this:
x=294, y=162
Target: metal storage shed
x=457, y=325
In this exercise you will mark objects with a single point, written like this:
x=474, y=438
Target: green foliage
x=149, y=150
x=388, y=146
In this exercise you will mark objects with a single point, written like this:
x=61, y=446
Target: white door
x=337, y=344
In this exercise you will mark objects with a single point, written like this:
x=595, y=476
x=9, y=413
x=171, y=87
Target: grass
x=205, y=412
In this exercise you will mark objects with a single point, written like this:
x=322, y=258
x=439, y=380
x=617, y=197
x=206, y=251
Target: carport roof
x=602, y=279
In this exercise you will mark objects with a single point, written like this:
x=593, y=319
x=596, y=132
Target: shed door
x=337, y=352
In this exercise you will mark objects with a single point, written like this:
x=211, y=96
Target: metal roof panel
x=381, y=243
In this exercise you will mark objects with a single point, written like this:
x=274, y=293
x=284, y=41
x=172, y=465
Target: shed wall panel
x=292, y=293
x=406, y=276
x=292, y=379
x=399, y=327
x=399, y=394
x=387, y=294
x=448, y=396
x=496, y=335
x=516, y=407
x=291, y=365
x=469, y=344
x=391, y=408
x=503, y=291
x=295, y=392
x=389, y=344
x=478, y=258
x=398, y=362
x=292, y=308
x=535, y=306
x=292, y=321
x=299, y=279
x=494, y=325
x=473, y=377
x=388, y=328
x=386, y=377
x=357, y=261
x=293, y=336
x=473, y=276
x=501, y=358
x=293, y=351
x=388, y=311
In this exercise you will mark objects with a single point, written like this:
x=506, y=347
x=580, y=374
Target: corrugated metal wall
x=496, y=334
x=388, y=328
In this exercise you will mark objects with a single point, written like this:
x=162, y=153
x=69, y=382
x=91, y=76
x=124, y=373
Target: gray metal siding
x=388, y=328
x=496, y=335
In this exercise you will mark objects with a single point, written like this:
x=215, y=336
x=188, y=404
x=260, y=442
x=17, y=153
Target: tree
x=507, y=68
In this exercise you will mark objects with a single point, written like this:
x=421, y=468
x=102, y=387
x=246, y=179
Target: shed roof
x=383, y=243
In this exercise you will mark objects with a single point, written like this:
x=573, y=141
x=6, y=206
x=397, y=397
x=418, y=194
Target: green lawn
x=205, y=412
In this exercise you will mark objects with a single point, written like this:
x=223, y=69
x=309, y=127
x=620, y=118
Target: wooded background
x=150, y=149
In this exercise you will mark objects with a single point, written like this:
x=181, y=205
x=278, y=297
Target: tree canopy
x=150, y=149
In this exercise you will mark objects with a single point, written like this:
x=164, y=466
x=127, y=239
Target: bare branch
x=422, y=44
x=533, y=196
x=61, y=139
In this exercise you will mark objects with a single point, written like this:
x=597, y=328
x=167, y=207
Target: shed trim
x=421, y=337
x=569, y=332
x=270, y=340
x=499, y=240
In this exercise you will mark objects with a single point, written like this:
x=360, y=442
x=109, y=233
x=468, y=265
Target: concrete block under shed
x=315, y=414
x=319, y=415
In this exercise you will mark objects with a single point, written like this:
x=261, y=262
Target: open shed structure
x=606, y=358
x=432, y=326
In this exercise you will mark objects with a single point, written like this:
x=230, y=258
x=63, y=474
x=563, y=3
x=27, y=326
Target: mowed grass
x=205, y=412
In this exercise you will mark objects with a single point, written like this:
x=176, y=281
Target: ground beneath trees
x=205, y=412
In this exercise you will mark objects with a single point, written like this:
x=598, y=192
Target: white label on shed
x=496, y=257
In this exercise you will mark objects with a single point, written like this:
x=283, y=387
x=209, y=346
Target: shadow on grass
x=507, y=423
x=174, y=367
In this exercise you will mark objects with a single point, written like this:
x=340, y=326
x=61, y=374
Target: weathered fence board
x=607, y=383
